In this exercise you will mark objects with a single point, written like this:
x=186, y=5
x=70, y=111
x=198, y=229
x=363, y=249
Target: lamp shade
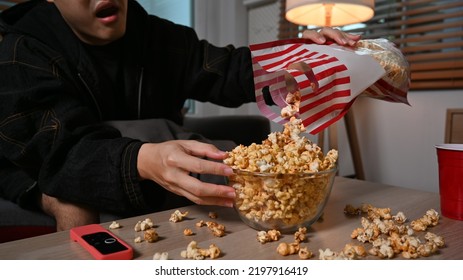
x=329, y=13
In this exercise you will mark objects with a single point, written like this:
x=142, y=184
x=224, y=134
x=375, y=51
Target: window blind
x=428, y=32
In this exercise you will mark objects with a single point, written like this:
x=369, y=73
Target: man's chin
x=104, y=37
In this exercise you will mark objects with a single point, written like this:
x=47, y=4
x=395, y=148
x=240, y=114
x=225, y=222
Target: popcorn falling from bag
x=321, y=82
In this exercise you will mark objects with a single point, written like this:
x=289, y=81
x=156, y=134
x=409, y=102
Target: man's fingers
x=193, y=163
x=203, y=193
x=340, y=37
x=200, y=149
x=314, y=36
x=203, y=166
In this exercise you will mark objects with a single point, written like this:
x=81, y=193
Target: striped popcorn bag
x=328, y=77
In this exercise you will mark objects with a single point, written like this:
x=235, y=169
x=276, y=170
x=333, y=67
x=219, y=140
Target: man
x=67, y=67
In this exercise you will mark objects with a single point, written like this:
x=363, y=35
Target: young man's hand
x=170, y=164
x=340, y=37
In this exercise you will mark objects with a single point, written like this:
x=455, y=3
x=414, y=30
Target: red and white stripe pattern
x=325, y=85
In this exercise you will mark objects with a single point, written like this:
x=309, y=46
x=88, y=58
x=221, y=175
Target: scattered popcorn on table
x=268, y=236
x=137, y=226
x=187, y=232
x=144, y=225
x=327, y=254
x=200, y=224
x=304, y=253
x=161, y=256
x=389, y=234
x=349, y=252
x=196, y=253
x=300, y=235
x=351, y=210
x=213, y=252
x=286, y=249
x=217, y=229
x=212, y=215
x=399, y=218
x=354, y=252
x=177, y=216
x=382, y=248
x=430, y=219
x=114, y=225
x=434, y=238
x=151, y=235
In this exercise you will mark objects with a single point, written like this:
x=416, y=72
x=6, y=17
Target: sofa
x=17, y=223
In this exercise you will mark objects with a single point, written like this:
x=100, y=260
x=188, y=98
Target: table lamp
x=329, y=12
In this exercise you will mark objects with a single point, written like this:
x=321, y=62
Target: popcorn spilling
x=283, y=152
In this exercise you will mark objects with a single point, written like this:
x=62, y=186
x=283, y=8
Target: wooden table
x=332, y=231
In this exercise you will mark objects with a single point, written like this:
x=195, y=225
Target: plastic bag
x=394, y=85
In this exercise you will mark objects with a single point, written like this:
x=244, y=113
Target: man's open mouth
x=106, y=11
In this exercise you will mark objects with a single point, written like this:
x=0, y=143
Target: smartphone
x=101, y=243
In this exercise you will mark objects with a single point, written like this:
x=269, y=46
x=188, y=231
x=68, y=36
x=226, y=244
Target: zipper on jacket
x=91, y=94
x=140, y=85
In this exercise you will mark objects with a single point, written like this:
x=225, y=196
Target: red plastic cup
x=450, y=161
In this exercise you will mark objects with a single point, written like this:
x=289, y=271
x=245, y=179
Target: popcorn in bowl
x=283, y=183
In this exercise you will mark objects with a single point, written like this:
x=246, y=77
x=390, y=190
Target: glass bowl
x=284, y=202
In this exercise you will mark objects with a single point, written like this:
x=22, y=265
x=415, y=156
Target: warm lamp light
x=329, y=13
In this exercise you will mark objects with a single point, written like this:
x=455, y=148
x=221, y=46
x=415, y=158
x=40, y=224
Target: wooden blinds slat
x=437, y=65
x=428, y=32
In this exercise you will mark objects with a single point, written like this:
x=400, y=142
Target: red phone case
x=77, y=234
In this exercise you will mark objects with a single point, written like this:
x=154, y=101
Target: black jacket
x=52, y=107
